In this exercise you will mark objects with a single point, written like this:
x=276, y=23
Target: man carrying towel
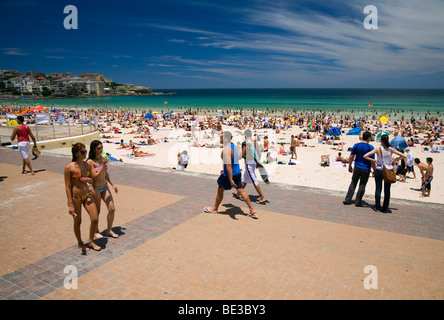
x=23, y=132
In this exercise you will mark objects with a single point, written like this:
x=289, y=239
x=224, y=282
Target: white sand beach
x=204, y=149
x=204, y=152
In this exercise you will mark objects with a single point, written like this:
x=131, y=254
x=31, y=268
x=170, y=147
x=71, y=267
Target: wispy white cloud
x=409, y=40
x=14, y=52
x=177, y=40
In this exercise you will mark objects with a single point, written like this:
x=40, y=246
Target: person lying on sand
x=143, y=154
x=325, y=160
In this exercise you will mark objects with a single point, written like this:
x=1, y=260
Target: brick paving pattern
x=305, y=245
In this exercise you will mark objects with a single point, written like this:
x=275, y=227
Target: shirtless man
x=422, y=168
x=427, y=180
x=293, y=148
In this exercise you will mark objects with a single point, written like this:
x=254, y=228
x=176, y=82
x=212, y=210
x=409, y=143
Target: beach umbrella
x=379, y=135
x=36, y=109
x=399, y=142
x=312, y=124
x=113, y=159
x=383, y=119
x=149, y=116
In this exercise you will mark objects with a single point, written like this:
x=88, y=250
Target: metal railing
x=53, y=130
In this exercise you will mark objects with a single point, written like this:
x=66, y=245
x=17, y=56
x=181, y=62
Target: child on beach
x=410, y=162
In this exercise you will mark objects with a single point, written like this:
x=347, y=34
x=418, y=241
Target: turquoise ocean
x=396, y=100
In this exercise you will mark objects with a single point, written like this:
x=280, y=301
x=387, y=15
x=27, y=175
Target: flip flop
x=262, y=202
x=236, y=195
x=254, y=216
x=206, y=210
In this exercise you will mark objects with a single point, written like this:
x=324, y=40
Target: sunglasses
x=83, y=152
x=100, y=148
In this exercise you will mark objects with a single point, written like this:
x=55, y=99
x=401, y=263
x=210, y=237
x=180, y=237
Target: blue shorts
x=223, y=182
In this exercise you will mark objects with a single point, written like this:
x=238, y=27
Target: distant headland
x=37, y=85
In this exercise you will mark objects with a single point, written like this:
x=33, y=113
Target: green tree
x=46, y=92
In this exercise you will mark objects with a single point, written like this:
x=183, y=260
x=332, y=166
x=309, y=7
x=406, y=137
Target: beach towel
x=262, y=171
x=131, y=156
x=337, y=164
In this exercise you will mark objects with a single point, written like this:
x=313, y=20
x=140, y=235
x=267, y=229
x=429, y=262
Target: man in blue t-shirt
x=361, y=170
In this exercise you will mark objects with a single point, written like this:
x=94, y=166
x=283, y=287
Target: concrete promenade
x=305, y=245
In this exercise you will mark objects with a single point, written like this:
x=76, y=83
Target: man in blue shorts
x=361, y=170
x=231, y=177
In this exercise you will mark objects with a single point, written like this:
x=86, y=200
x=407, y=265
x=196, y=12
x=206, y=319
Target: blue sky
x=167, y=44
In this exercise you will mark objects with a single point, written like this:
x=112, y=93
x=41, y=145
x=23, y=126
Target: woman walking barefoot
x=100, y=175
x=78, y=193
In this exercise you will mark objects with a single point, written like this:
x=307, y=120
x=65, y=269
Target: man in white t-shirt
x=249, y=153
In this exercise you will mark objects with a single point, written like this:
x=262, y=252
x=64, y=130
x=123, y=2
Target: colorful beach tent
x=61, y=119
x=354, y=132
x=383, y=119
x=399, y=143
x=334, y=131
x=149, y=116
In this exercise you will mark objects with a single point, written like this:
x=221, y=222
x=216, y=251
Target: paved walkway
x=305, y=245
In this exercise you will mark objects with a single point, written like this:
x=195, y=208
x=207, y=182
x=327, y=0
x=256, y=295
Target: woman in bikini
x=78, y=193
x=99, y=173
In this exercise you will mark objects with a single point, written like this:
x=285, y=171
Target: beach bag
x=388, y=175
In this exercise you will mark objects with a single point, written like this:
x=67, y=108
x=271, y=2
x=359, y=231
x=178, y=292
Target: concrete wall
x=64, y=145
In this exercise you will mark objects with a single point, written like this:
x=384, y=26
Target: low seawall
x=64, y=145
